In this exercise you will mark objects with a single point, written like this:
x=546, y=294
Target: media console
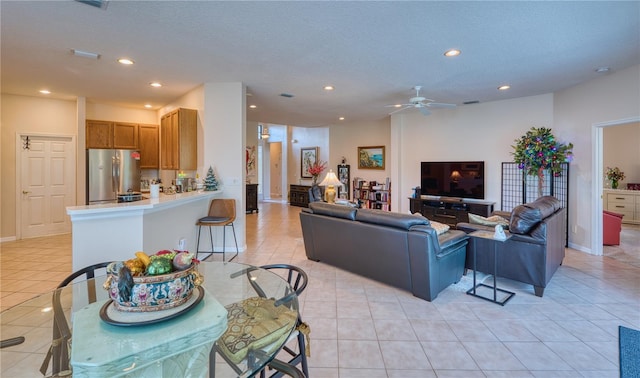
x=449, y=210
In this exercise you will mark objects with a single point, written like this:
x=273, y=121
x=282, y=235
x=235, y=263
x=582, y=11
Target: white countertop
x=151, y=204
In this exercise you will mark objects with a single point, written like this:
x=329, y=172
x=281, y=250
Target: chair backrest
x=89, y=272
x=296, y=277
x=223, y=207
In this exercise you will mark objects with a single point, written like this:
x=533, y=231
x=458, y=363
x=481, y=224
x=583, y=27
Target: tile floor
x=361, y=328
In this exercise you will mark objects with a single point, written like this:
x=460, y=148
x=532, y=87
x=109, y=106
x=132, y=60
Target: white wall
x=305, y=137
x=621, y=148
x=25, y=114
x=475, y=132
x=611, y=97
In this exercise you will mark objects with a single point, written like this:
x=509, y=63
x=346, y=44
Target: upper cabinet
x=149, y=139
x=99, y=134
x=178, y=140
x=126, y=136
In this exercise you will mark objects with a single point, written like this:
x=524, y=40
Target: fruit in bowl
x=157, y=286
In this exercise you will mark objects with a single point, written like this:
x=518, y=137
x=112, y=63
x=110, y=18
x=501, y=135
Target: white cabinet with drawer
x=626, y=202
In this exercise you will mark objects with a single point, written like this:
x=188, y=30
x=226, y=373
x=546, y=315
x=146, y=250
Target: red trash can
x=611, y=227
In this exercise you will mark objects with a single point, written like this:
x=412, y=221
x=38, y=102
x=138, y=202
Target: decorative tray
x=110, y=315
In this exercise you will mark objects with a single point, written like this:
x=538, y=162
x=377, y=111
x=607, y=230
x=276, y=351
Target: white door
x=47, y=185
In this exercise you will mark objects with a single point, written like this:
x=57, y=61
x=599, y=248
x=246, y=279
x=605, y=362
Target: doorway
x=597, y=182
x=45, y=184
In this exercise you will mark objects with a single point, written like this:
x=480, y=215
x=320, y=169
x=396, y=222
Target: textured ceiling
x=372, y=52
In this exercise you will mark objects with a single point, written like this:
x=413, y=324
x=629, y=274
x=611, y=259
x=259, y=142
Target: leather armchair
x=316, y=194
x=536, y=248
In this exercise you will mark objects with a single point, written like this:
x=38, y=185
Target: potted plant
x=614, y=175
x=537, y=151
x=316, y=169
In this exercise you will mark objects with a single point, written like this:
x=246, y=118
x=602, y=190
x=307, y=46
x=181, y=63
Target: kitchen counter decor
x=159, y=282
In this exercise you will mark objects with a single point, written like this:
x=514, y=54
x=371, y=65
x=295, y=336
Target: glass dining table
x=183, y=342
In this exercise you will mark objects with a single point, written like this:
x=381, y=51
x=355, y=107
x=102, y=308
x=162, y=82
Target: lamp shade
x=330, y=179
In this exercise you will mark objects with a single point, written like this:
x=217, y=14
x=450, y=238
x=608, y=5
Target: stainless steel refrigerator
x=110, y=173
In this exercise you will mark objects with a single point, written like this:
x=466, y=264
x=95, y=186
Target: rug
x=466, y=282
x=629, y=352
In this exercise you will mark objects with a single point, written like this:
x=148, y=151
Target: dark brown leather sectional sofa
x=536, y=248
x=401, y=250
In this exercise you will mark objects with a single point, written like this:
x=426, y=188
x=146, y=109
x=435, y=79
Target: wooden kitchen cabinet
x=149, y=144
x=125, y=136
x=99, y=134
x=178, y=140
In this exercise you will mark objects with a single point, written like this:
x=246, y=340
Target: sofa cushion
x=491, y=221
x=525, y=217
x=389, y=219
x=337, y=211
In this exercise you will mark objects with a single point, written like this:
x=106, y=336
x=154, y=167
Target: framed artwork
x=308, y=156
x=371, y=157
x=344, y=175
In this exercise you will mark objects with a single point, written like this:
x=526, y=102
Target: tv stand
x=450, y=210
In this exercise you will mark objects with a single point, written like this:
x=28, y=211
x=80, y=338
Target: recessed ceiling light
x=147, y=105
x=341, y=118
x=504, y=87
x=125, y=61
x=397, y=105
x=602, y=69
x=328, y=87
x=252, y=106
x=155, y=84
x=452, y=52
x=45, y=91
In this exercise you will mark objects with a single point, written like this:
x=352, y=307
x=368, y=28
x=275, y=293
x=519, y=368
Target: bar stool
x=222, y=213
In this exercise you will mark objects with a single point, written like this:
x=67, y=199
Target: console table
x=449, y=211
x=252, y=198
x=299, y=195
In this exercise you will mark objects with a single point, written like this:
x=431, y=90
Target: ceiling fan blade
x=440, y=105
x=424, y=111
x=400, y=109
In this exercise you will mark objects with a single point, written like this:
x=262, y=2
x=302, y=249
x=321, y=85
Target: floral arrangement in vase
x=538, y=150
x=316, y=169
x=614, y=175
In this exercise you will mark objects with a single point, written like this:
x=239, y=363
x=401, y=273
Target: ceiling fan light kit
x=421, y=103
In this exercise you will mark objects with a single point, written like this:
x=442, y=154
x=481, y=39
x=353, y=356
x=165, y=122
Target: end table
x=488, y=235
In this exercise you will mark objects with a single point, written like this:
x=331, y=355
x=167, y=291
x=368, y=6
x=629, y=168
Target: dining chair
x=282, y=309
x=222, y=213
x=59, y=351
x=297, y=279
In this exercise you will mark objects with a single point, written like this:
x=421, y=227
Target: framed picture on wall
x=308, y=156
x=344, y=175
x=371, y=157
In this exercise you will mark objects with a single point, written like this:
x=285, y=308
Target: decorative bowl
x=155, y=293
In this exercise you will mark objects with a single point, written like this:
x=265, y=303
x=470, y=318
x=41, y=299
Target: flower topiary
x=538, y=150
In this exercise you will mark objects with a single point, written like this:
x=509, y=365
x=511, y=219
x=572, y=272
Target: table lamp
x=330, y=181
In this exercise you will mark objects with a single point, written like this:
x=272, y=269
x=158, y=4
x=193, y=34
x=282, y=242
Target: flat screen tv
x=463, y=179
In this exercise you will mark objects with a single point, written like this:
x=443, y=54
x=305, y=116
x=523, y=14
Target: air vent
x=471, y=102
x=287, y=95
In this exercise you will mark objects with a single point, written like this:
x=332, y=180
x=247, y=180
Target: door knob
x=25, y=192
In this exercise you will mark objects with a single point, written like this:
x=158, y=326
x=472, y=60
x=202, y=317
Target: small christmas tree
x=210, y=182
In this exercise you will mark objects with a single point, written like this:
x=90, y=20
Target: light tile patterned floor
x=361, y=328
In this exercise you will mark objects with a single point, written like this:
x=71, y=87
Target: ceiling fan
x=421, y=103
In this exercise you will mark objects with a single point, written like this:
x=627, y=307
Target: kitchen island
x=115, y=231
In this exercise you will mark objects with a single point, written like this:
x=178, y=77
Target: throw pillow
x=491, y=221
x=440, y=228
